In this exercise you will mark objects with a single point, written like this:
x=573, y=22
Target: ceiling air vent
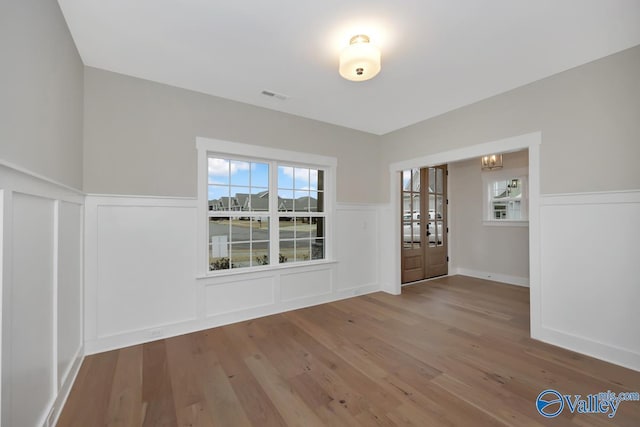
x=272, y=94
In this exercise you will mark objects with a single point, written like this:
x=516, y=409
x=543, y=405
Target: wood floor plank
x=186, y=382
x=125, y=401
x=290, y=404
x=157, y=393
x=94, y=380
x=448, y=352
x=256, y=403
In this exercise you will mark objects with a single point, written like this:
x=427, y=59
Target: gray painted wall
x=475, y=246
x=589, y=117
x=40, y=91
x=140, y=138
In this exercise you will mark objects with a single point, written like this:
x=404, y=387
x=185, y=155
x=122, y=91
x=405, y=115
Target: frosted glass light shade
x=360, y=60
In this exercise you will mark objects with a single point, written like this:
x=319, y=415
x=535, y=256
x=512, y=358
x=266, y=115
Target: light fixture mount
x=360, y=60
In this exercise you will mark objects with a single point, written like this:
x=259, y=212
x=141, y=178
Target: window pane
x=287, y=227
x=415, y=232
x=500, y=190
x=431, y=232
x=240, y=229
x=287, y=251
x=406, y=180
x=240, y=255
x=216, y=194
x=219, y=238
x=432, y=180
x=259, y=228
x=320, y=180
x=239, y=173
x=406, y=206
x=439, y=180
x=258, y=200
x=499, y=210
x=260, y=175
x=432, y=206
x=415, y=180
x=514, y=211
x=439, y=207
x=218, y=172
x=415, y=214
x=314, y=202
x=407, y=238
x=439, y=233
x=285, y=200
x=301, y=203
x=317, y=227
x=260, y=253
x=303, y=228
x=320, y=201
x=317, y=249
x=238, y=198
x=313, y=179
x=515, y=189
x=301, y=179
x=285, y=177
x=303, y=250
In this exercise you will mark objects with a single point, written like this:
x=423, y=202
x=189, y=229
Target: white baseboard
x=65, y=389
x=607, y=352
x=167, y=331
x=496, y=277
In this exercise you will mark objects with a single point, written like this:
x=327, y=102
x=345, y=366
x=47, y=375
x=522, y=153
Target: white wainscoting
x=141, y=273
x=41, y=264
x=590, y=287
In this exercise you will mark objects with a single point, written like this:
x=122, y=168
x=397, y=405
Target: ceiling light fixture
x=491, y=162
x=360, y=60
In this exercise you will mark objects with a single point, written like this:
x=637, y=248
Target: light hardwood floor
x=449, y=352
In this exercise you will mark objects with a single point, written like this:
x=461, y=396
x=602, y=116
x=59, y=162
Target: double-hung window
x=264, y=211
x=506, y=197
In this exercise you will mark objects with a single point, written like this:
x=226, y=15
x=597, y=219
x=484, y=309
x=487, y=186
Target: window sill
x=265, y=269
x=507, y=223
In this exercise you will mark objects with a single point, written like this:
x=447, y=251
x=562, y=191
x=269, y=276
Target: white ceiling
x=437, y=55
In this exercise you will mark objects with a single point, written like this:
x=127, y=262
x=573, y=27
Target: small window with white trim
x=264, y=212
x=505, y=198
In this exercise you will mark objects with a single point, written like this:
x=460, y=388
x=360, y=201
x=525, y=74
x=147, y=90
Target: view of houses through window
x=242, y=212
x=507, y=198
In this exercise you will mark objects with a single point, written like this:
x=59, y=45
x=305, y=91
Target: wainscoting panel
x=238, y=295
x=146, y=263
x=69, y=286
x=30, y=374
x=358, y=246
x=590, y=274
x=295, y=286
x=41, y=272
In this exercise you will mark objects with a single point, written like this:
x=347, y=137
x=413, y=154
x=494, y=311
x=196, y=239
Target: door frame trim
x=530, y=141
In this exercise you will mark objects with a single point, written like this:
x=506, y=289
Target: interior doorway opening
x=489, y=218
x=391, y=272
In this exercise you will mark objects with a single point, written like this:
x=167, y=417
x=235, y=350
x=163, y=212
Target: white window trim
x=492, y=176
x=207, y=146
